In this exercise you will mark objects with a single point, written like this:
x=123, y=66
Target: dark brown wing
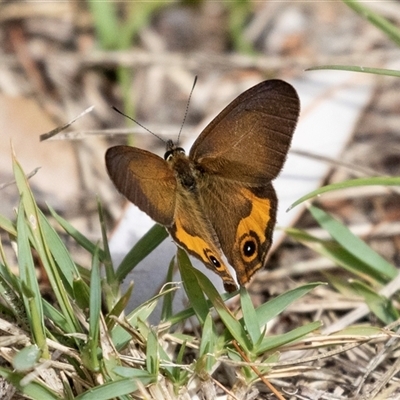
x=145, y=179
x=243, y=219
x=248, y=141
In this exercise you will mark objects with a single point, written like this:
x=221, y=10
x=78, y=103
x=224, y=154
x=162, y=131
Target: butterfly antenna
x=138, y=123
x=187, y=108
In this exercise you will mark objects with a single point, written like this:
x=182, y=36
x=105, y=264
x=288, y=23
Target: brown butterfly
x=219, y=199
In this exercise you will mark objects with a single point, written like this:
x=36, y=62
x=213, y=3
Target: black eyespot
x=249, y=248
x=216, y=263
x=213, y=260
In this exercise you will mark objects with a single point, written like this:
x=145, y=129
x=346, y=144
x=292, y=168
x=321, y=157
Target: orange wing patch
x=252, y=240
x=204, y=251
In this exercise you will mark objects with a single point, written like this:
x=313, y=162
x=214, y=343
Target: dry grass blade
x=54, y=132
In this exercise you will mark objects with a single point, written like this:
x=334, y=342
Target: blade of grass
x=119, y=307
x=90, y=351
x=76, y=235
x=379, y=305
x=192, y=287
x=371, y=181
x=109, y=269
x=55, y=316
x=10, y=291
x=166, y=311
x=8, y=226
x=60, y=253
x=274, y=342
x=39, y=242
x=81, y=293
x=152, y=354
x=366, y=70
x=353, y=244
x=250, y=319
x=391, y=31
x=112, y=390
x=106, y=23
x=34, y=390
x=267, y=311
x=119, y=335
x=207, y=357
x=29, y=284
x=340, y=256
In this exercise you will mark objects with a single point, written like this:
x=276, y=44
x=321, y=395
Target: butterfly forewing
x=249, y=140
x=145, y=179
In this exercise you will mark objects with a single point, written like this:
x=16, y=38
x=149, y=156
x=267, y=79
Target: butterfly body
x=218, y=200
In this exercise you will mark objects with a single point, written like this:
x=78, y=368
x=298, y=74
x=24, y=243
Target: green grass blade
x=76, y=235
x=111, y=285
x=207, y=350
x=119, y=335
x=55, y=316
x=7, y=225
x=371, y=181
x=11, y=300
x=152, y=354
x=109, y=269
x=340, y=256
x=119, y=307
x=155, y=236
x=192, y=287
x=34, y=390
x=267, y=311
x=126, y=372
x=81, y=293
x=31, y=297
x=39, y=242
x=112, y=390
x=106, y=23
x=379, y=305
x=167, y=309
x=60, y=253
x=94, y=316
x=353, y=244
x=391, y=31
x=251, y=323
x=352, y=68
x=274, y=342
x=10, y=292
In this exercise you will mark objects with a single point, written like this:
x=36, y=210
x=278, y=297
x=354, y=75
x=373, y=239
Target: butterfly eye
x=168, y=155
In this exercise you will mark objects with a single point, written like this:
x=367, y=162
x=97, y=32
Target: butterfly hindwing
x=243, y=219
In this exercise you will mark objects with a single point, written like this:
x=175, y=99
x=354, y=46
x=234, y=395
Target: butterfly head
x=172, y=151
